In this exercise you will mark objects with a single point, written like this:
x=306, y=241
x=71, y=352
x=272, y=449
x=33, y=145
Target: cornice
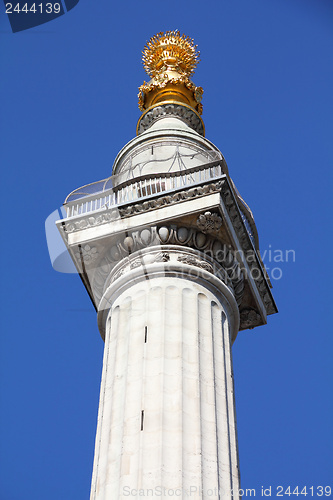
x=185, y=113
x=257, y=271
x=91, y=220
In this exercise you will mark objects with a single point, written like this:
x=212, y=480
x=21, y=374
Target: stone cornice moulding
x=255, y=268
x=108, y=215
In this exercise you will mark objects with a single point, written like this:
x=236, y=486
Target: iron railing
x=143, y=187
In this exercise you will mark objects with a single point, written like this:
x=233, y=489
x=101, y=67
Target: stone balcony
x=109, y=193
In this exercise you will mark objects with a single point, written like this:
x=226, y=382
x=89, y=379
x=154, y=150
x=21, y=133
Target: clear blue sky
x=68, y=105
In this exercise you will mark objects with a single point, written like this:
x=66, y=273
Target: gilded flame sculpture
x=170, y=51
x=170, y=59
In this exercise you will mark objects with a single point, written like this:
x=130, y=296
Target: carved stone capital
x=170, y=261
x=170, y=255
x=88, y=254
x=209, y=222
x=159, y=237
x=238, y=257
x=249, y=318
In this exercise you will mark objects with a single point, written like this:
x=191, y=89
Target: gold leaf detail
x=170, y=51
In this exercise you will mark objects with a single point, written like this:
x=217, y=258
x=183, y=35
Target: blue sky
x=69, y=104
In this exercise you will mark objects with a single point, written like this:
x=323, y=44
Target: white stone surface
x=166, y=136
x=167, y=354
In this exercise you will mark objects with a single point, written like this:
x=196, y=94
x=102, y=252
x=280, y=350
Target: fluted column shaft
x=166, y=422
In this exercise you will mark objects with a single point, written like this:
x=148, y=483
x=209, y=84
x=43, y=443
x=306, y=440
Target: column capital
x=169, y=261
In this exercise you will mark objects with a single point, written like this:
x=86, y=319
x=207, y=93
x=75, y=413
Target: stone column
x=166, y=417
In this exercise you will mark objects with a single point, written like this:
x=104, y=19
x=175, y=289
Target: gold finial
x=170, y=51
x=170, y=59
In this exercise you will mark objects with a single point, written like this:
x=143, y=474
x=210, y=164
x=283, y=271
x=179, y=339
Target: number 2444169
x=38, y=8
